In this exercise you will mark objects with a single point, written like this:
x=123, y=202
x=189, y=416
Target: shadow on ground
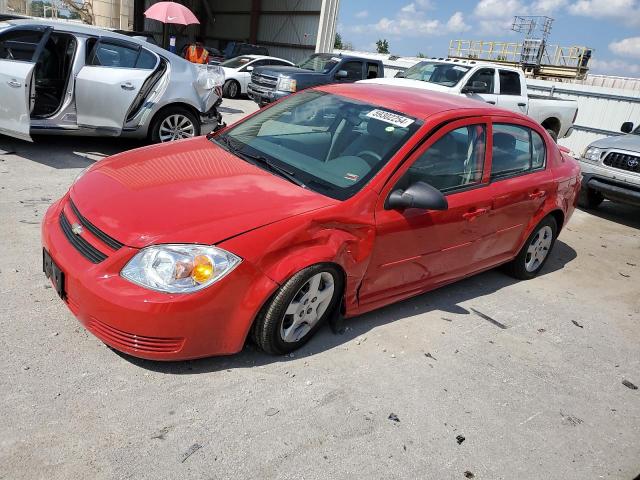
x=624, y=214
x=446, y=299
x=66, y=151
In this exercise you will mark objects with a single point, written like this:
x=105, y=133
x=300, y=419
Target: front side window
x=114, y=55
x=319, y=62
x=447, y=74
x=455, y=161
x=509, y=83
x=516, y=150
x=353, y=69
x=332, y=144
x=485, y=76
x=19, y=44
x=236, y=62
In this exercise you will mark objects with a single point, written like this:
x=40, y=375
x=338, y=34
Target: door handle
x=476, y=213
x=491, y=102
x=14, y=83
x=127, y=86
x=538, y=194
x=522, y=104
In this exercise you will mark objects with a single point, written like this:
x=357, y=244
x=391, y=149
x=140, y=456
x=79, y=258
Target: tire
x=170, y=116
x=276, y=330
x=553, y=134
x=590, y=198
x=231, y=89
x=528, y=264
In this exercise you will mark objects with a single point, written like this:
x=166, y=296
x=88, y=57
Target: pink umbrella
x=171, y=12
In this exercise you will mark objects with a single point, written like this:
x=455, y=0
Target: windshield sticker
x=352, y=177
x=392, y=118
x=335, y=59
x=389, y=129
x=459, y=69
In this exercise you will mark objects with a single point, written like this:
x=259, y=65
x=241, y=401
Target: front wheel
x=231, y=89
x=298, y=309
x=590, y=198
x=535, y=251
x=174, y=123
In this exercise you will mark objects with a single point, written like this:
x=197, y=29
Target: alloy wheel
x=538, y=248
x=176, y=127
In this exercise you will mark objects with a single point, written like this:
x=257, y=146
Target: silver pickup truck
x=611, y=169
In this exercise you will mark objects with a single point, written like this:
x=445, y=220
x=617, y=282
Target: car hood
x=407, y=82
x=284, y=70
x=624, y=142
x=190, y=191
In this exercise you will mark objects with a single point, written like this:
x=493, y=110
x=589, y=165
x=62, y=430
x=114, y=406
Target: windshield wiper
x=261, y=160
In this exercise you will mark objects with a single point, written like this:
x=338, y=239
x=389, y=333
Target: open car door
x=20, y=49
x=108, y=84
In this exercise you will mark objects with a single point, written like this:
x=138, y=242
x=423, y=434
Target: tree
x=347, y=46
x=338, y=42
x=83, y=8
x=421, y=55
x=382, y=46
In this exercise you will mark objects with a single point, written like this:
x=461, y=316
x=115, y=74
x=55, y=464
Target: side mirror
x=627, y=127
x=341, y=74
x=399, y=75
x=419, y=195
x=476, y=87
x=250, y=68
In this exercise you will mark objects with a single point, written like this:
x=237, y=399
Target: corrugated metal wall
x=601, y=110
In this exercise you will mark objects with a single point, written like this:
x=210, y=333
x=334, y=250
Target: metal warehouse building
x=290, y=29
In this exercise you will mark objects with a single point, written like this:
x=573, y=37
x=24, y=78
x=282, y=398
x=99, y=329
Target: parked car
x=237, y=72
x=65, y=78
x=270, y=83
x=296, y=213
x=495, y=84
x=611, y=169
x=235, y=49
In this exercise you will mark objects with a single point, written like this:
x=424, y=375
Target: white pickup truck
x=499, y=85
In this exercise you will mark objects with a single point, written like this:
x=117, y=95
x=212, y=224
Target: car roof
x=263, y=57
x=417, y=103
x=468, y=63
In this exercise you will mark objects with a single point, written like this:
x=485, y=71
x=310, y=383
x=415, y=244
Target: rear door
x=512, y=94
x=108, y=84
x=20, y=49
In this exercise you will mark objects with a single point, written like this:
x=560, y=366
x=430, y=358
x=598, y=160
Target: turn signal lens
x=202, y=269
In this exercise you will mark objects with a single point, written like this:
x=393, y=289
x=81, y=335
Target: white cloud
x=613, y=67
x=626, y=47
x=545, y=7
x=626, y=11
x=456, y=23
x=493, y=9
x=362, y=14
x=411, y=8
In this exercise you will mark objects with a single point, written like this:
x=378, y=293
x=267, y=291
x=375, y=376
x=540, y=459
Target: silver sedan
x=65, y=78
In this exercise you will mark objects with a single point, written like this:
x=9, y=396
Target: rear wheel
x=535, y=251
x=590, y=198
x=298, y=309
x=174, y=123
x=231, y=89
x=553, y=134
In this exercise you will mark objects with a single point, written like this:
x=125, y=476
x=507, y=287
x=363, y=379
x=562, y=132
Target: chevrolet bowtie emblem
x=77, y=228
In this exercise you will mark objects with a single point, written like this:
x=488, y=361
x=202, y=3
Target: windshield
x=236, y=62
x=330, y=144
x=319, y=62
x=445, y=74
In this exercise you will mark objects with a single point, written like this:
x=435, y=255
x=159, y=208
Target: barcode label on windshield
x=392, y=118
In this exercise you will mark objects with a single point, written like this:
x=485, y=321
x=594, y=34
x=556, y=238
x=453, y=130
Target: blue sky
x=610, y=27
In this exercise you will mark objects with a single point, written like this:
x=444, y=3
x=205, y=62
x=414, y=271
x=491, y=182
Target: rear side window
x=516, y=150
x=455, y=161
x=372, y=70
x=509, y=83
x=112, y=55
x=146, y=60
x=19, y=44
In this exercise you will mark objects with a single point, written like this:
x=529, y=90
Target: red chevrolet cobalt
x=337, y=200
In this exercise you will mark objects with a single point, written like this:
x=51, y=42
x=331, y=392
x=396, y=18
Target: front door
x=20, y=49
x=416, y=249
x=486, y=77
x=110, y=81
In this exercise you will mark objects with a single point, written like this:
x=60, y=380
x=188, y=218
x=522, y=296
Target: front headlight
x=592, y=154
x=286, y=84
x=179, y=268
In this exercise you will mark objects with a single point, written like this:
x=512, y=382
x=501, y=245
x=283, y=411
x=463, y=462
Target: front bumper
x=264, y=96
x=616, y=185
x=149, y=324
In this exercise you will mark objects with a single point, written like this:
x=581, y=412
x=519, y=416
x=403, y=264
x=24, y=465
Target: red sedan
x=337, y=200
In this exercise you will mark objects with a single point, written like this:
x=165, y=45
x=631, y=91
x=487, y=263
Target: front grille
x=630, y=163
x=87, y=250
x=110, y=241
x=127, y=340
x=264, y=81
